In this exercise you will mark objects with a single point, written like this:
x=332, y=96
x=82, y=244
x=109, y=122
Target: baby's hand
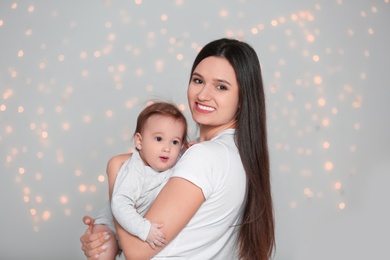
x=156, y=237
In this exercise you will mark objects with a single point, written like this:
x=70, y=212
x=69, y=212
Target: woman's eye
x=221, y=87
x=197, y=81
x=158, y=139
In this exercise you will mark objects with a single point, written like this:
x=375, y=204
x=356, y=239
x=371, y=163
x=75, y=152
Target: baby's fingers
x=158, y=243
x=152, y=245
x=158, y=225
x=163, y=242
x=161, y=236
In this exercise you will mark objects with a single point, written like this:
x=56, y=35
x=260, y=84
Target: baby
x=160, y=134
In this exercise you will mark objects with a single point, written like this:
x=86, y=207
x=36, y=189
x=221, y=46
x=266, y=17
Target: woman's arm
x=175, y=205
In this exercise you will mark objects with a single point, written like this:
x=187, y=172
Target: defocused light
x=64, y=199
x=82, y=188
x=101, y=178
x=337, y=185
x=46, y=215
x=329, y=166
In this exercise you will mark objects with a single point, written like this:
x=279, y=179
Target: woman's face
x=213, y=95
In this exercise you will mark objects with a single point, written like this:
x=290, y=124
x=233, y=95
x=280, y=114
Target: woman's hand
x=94, y=240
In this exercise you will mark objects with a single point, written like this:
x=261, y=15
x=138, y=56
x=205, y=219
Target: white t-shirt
x=215, y=166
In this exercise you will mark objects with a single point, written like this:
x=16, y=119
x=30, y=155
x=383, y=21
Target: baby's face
x=160, y=142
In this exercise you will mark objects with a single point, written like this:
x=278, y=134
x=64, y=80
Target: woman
x=217, y=204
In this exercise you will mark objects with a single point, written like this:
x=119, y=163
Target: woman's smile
x=203, y=108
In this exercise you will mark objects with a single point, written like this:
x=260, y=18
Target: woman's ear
x=138, y=141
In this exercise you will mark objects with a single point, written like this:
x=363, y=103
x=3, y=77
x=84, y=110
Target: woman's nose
x=204, y=93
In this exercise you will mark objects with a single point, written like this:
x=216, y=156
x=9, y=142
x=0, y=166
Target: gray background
x=75, y=74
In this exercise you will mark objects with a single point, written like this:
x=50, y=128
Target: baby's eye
x=176, y=142
x=158, y=138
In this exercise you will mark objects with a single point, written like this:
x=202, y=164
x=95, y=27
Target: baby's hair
x=165, y=109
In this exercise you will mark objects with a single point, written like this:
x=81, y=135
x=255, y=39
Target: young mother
x=218, y=203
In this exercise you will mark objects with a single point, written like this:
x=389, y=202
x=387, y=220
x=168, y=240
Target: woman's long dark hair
x=257, y=234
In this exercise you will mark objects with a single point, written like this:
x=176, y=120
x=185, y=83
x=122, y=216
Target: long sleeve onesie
x=136, y=187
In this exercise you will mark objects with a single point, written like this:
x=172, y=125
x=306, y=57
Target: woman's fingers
x=84, y=239
x=94, y=244
x=88, y=220
x=94, y=253
x=97, y=240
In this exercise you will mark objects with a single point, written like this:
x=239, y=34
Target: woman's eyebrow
x=222, y=81
x=217, y=80
x=196, y=74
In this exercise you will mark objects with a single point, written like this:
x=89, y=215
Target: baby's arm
x=127, y=189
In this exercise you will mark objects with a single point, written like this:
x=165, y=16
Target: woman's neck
x=207, y=132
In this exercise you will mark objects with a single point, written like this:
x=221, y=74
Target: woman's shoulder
x=223, y=141
x=208, y=151
x=205, y=146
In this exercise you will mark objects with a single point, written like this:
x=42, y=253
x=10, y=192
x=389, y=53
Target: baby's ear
x=138, y=141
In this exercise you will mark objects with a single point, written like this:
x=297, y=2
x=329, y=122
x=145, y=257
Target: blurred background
x=75, y=74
